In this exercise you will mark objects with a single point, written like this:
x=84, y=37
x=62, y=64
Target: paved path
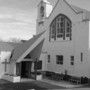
x=62, y=83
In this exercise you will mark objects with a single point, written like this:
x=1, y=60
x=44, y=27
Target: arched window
x=42, y=11
x=60, y=28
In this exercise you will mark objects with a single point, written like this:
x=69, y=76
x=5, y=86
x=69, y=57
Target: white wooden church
x=61, y=43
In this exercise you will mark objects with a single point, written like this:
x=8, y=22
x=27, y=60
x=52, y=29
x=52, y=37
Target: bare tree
x=15, y=40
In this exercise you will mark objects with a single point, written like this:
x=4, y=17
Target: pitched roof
x=7, y=46
x=76, y=9
x=20, y=49
x=4, y=46
x=14, y=44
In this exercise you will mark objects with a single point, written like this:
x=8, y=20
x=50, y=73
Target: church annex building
x=61, y=44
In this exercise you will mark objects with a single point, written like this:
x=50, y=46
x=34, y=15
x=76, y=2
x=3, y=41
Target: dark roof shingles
x=20, y=49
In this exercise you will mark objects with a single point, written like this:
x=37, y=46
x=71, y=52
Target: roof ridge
x=72, y=7
x=67, y=4
x=20, y=49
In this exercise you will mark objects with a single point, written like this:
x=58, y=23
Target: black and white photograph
x=44, y=44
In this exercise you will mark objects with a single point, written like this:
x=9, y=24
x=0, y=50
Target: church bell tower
x=44, y=9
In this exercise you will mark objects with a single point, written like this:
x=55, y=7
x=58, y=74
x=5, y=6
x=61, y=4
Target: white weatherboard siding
x=5, y=55
x=78, y=44
x=2, y=69
x=89, y=34
x=43, y=57
x=12, y=69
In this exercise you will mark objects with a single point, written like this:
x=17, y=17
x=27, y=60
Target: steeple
x=44, y=9
x=46, y=1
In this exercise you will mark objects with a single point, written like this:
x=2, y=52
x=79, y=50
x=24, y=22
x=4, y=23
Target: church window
x=61, y=28
x=72, y=60
x=48, y=58
x=53, y=31
x=81, y=57
x=68, y=29
x=42, y=11
x=59, y=59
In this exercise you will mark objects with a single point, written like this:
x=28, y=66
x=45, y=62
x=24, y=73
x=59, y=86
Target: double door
x=23, y=69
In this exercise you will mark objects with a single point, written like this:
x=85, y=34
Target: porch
x=25, y=61
x=29, y=69
x=25, y=71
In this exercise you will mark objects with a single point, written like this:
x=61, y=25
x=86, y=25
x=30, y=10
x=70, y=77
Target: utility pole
x=36, y=68
x=5, y=65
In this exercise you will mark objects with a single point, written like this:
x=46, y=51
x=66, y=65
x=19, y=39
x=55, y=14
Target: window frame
x=60, y=32
x=72, y=58
x=59, y=59
x=81, y=57
x=48, y=57
x=42, y=11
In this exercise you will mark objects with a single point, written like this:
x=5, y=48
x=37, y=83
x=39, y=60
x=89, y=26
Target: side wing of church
x=61, y=44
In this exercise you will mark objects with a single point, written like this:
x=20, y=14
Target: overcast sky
x=18, y=17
